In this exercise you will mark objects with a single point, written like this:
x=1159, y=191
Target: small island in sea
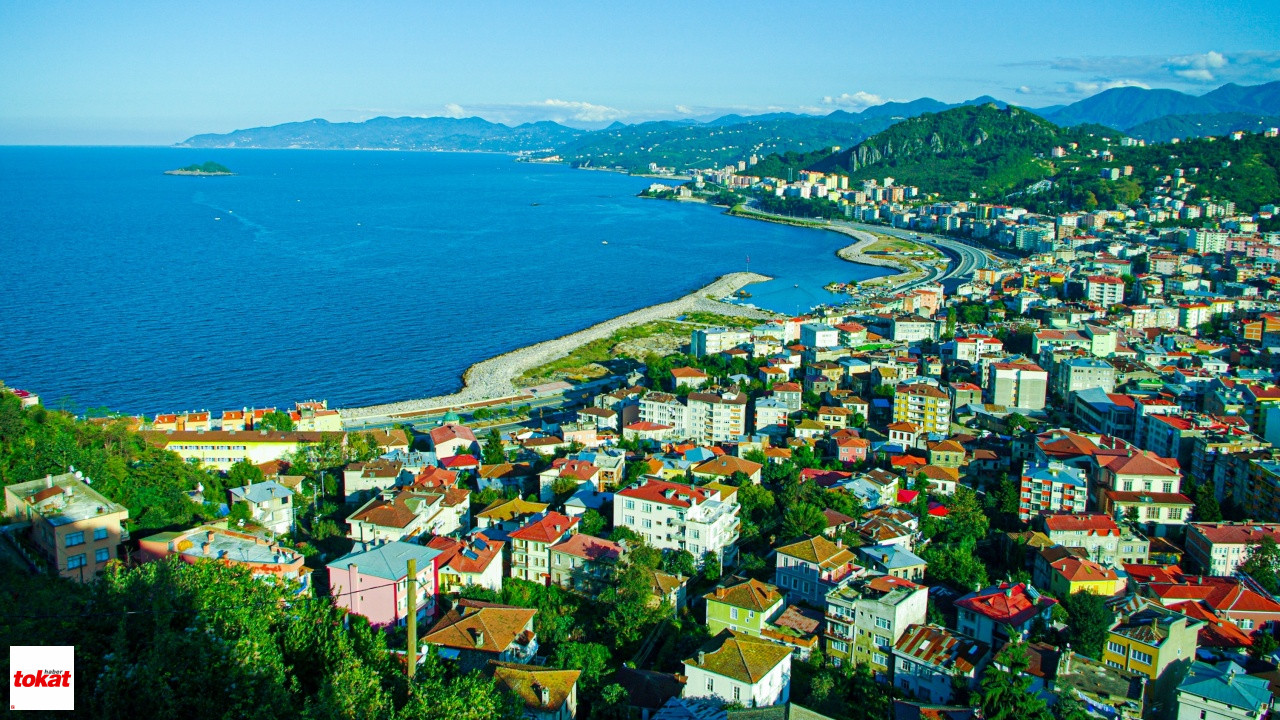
x=209, y=168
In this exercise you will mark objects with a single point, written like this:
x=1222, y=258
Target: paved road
x=965, y=258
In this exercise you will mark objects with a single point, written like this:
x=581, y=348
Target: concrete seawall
x=494, y=378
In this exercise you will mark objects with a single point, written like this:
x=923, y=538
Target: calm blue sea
x=360, y=277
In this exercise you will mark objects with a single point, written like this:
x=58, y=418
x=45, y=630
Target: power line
x=118, y=613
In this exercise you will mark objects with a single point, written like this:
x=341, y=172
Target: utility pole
x=412, y=619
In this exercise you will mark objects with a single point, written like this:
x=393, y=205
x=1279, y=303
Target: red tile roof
x=547, y=530
x=667, y=493
x=1006, y=604
x=1093, y=523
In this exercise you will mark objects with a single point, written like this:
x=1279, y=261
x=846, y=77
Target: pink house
x=374, y=583
x=453, y=439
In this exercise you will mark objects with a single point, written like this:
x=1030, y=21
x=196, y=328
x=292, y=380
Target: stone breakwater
x=494, y=378
x=855, y=253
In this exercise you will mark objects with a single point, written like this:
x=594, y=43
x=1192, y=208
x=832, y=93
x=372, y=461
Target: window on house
x=1116, y=648
x=75, y=561
x=1246, y=624
x=629, y=504
x=880, y=658
x=711, y=685
x=1128, y=485
x=1175, y=513
x=733, y=613
x=1168, y=487
x=883, y=623
x=75, y=538
x=100, y=533
x=1144, y=658
x=737, y=693
x=102, y=555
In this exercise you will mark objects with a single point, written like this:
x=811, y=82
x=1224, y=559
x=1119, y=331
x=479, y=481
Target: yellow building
x=1154, y=642
x=75, y=529
x=220, y=449
x=924, y=406
x=1072, y=575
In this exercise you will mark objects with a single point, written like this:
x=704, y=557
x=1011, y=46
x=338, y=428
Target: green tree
x=276, y=420
x=1005, y=691
x=1264, y=644
x=492, y=453
x=954, y=565
x=1263, y=565
x=244, y=473
x=630, y=614
x=803, y=520
x=1069, y=707
x=240, y=513
x=1088, y=621
x=680, y=562
x=966, y=521
x=592, y=523
x=711, y=567
x=1206, y=500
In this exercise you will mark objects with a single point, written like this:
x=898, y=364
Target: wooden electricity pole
x=412, y=618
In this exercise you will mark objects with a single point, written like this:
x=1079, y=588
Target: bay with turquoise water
x=358, y=277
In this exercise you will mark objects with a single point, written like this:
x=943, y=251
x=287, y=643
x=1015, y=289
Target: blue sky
x=157, y=72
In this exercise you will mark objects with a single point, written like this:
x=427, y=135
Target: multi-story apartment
x=665, y=409
x=810, y=568
x=1105, y=541
x=710, y=341
x=1222, y=692
x=1154, y=642
x=930, y=660
x=1017, y=384
x=227, y=547
x=270, y=504
x=721, y=673
x=1002, y=613
x=583, y=563
x=717, y=418
x=746, y=607
x=702, y=417
x=75, y=529
x=1083, y=373
x=867, y=616
x=1128, y=470
x=1220, y=548
x=374, y=583
x=531, y=546
x=926, y=406
x=220, y=449
x=971, y=349
x=673, y=516
x=1051, y=487
x=818, y=335
x=1104, y=289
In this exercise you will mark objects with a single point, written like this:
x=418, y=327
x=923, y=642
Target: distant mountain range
x=1127, y=107
x=403, y=133
x=1157, y=114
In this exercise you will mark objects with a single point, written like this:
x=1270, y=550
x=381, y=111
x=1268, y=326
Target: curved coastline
x=493, y=379
x=854, y=253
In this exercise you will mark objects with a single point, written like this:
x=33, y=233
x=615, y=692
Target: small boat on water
x=604, y=242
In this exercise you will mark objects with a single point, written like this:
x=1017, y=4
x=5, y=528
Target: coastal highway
x=965, y=258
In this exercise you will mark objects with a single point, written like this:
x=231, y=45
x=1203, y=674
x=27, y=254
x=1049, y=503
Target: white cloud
x=685, y=110
x=454, y=110
x=580, y=111
x=1024, y=90
x=854, y=101
x=1097, y=86
x=1197, y=68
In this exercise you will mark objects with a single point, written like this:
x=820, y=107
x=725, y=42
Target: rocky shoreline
x=494, y=378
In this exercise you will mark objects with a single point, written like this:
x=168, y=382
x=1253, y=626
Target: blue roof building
x=1222, y=691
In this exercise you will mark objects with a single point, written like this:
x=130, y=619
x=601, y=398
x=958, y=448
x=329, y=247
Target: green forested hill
x=1245, y=171
x=983, y=149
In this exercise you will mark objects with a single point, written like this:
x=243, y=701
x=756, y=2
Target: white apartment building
x=674, y=516
x=1104, y=289
x=710, y=341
